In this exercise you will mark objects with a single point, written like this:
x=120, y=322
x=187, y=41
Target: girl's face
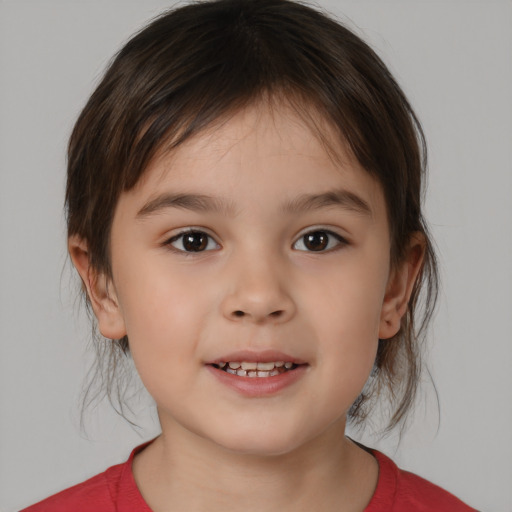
x=249, y=244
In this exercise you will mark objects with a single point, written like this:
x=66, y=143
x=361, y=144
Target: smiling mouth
x=253, y=369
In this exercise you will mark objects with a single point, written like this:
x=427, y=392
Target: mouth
x=258, y=374
x=252, y=369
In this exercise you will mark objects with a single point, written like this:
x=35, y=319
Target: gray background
x=454, y=60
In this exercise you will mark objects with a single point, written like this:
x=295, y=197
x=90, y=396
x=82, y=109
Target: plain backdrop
x=454, y=60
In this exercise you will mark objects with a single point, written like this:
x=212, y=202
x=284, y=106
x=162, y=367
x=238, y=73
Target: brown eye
x=317, y=241
x=193, y=241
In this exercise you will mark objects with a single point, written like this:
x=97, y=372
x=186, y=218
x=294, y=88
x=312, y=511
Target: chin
x=261, y=447
x=260, y=441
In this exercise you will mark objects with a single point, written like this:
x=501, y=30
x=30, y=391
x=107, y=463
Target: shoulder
x=421, y=494
x=93, y=495
x=401, y=491
x=114, y=490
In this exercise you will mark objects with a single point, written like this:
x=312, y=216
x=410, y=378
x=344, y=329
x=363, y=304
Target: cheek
x=348, y=300
x=163, y=315
x=345, y=314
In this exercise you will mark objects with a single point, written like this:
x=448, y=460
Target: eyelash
x=340, y=241
x=180, y=236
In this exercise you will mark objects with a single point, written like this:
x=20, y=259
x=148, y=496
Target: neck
x=182, y=471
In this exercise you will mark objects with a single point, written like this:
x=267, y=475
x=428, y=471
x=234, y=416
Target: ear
x=400, y=286
x=100, y=291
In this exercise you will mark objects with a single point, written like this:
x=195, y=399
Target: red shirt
x=115, y=491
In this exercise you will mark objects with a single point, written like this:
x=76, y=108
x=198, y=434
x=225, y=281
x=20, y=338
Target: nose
x=258, y=291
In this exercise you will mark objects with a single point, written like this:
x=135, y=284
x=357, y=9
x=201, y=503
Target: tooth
x=221, y=364
x=262, y=374
x=252, y=374
x=248, y=366
x=230, y=370
x=278, y=364
x=241, y=373
x=234, y=365
x=265, y=366
x=275, y=371
x=288, y=365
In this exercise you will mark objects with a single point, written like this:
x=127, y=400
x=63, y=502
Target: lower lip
x=259, y=386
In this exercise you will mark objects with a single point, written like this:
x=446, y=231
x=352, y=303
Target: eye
x=193, y=241
x=318, y=241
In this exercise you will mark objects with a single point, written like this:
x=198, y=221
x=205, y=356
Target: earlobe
x=400, y=287
x=100, y=291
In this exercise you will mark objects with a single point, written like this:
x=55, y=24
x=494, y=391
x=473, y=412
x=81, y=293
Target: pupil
x=316, y=241
x=195, y=242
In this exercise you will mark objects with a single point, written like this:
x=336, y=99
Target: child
x=244, y=212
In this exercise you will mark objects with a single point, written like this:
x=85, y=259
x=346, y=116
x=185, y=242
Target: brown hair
x=201, y=62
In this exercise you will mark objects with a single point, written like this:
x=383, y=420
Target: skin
x=256, y=286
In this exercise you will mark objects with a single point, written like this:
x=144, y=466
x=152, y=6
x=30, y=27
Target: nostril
x=238, y=313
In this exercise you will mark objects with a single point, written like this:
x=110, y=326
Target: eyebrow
x=306, y=202
x=337, y=198
x=194, y=202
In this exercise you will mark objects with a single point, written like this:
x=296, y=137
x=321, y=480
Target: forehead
x=263, y=151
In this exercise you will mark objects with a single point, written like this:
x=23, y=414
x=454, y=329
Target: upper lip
x=253, y=356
